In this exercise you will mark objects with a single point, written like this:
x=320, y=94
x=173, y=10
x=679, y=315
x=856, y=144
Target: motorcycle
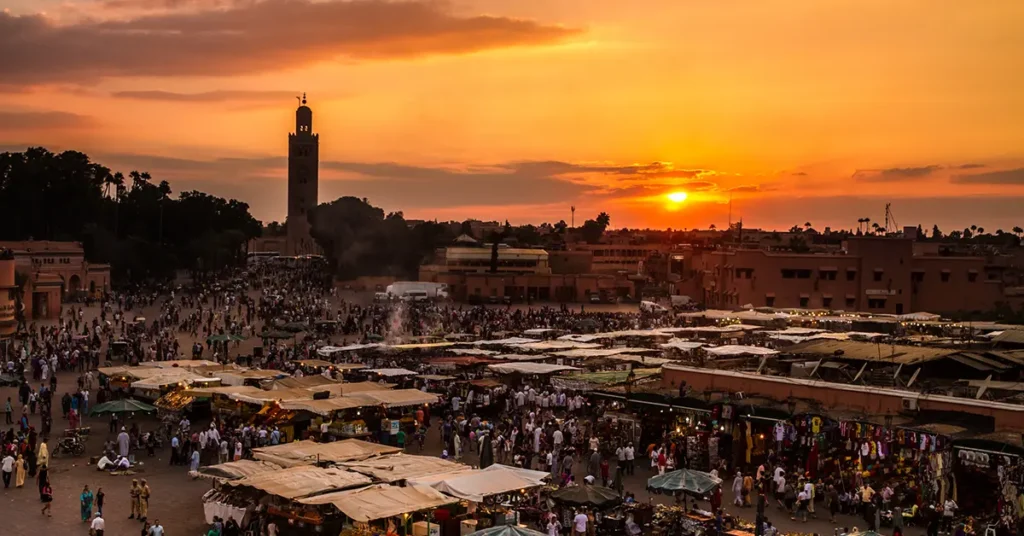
x=72, y=443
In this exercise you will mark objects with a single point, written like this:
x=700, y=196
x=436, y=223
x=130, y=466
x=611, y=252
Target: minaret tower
x=303, y=178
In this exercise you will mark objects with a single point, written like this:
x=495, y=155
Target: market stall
x=309, y=452
x=376, y=504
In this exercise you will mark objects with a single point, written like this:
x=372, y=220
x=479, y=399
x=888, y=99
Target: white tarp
x=391, y=372
x=683, y=345
x=718, y=329
x=919, y=317
x=382, y=501
x=735, y=349
x=511, y=341
x=529, y=368
x=586, y=353
x=475, y=485
x=546, y=346
x=537, y=332
x=471, y=351
x=794, y=331
x=522, y=357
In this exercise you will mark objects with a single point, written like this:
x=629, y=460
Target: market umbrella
x=506, y=530
x=295, y=327
x=688, y=480
x=224, y=337
x=128, y=405
x=274, y=334
x=374, y=337
x=587, y=495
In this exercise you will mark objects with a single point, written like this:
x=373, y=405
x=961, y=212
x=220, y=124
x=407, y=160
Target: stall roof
x=302, y=481
x=169, y=377
x=291, y=382
x=308, y=452
x=421, y=346
x=390, y=372
x=226, y=390
x=471, y=351
x=398, y=467
x=865, y=351
x=236, y=470
x=238, y=377
x=1010, y=336
x=351, y=388
x=505, y=342
x=460, y=360
x=586, y=353
x=327, y=406
x=639, y=359
x=522, y=357
x=313, y=363
x=179, y=363
x=716, y=329
x=735, y=350
x=399, y=397
x=382, y=501
x=436, y=377
x=476, y=484
x=544, y=346
x=529, y=368
x=680, y=344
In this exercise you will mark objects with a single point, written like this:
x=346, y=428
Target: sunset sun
x=677, y=197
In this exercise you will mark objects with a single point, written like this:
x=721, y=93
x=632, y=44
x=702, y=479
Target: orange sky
x=800, y=110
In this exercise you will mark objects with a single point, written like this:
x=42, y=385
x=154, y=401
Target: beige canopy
x=302, y=481
x=400, y=397
x=382, y=501
x=236, y=470
x=403, y=466
x=307, y=452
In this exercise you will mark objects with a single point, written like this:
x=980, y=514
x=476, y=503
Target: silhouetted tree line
x=132, y=223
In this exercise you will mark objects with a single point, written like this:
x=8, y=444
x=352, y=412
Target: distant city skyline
x=493, y=109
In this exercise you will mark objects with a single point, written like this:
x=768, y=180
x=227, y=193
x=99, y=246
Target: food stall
x=382, y=506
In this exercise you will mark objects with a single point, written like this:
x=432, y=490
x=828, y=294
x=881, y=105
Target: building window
x=878, y=275
x=826, y=302
x=769, y=301
x=803, y=274
x=850, y=302
x=944, y=277
x=804, y=301
x=788, y=274
x=972, y=277
x=828, y=275
x=851, y=275
x=876, y=303
x=917, y=277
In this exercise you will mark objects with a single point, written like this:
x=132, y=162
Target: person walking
x=737, y=489
x=99, y=500
x=7, y=466
x=46, y=495
x=8, y=410
x=20, y=470
x=86, y=503
x=98, y=525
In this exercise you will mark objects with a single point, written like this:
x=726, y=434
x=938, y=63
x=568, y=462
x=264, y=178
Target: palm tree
x=981, y=230
x=876, y=228
x=1017, y=230
x=807, y=225
x=604, y=220
x=712, y=227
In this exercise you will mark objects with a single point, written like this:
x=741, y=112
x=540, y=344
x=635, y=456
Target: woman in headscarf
x=195, y=461
x=43, y=458
x=86, y=503
x=43, y=479
x=20, y=470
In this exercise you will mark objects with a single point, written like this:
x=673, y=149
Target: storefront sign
x=396, y=425
x=879, y=292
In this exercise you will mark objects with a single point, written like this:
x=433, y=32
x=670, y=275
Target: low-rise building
x=872, y=274
x=55, y=272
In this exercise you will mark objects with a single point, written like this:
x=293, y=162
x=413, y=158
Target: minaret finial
x=303, y=98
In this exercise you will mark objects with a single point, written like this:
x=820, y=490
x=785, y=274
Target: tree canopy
x=135, y=225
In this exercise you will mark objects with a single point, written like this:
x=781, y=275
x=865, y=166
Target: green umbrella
x=273, y=334
x=218, y=338
x=688, y=480
x=506, y=530
x=587, y=495
x=128, y=405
